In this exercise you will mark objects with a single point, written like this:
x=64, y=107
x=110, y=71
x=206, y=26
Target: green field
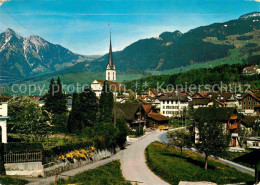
x=108, y=174
x=167, y=163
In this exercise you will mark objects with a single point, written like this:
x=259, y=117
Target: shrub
x=11, y=181
x=52, y=153
x=22, y=147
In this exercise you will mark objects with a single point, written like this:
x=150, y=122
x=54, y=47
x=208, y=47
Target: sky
x=82, y=25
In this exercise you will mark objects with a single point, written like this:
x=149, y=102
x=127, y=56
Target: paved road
x=133, y=163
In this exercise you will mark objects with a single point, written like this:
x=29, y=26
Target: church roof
x=110, y=59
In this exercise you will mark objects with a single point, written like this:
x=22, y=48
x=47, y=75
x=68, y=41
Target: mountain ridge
x=170, y=50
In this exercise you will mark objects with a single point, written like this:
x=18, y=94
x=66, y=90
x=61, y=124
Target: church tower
x=111, y=68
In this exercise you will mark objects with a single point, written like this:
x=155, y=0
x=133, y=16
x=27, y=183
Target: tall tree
x=49, y=97
x=56, y=103
x=88, y=107
x=74, y=124
x=106, y=104
x=212, y=138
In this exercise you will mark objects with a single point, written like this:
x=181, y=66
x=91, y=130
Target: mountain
x=250, y=15
x=229, y=42
x=218, y=41
x=175, y=49
x=23, y=57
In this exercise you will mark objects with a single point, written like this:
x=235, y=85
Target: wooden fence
x=23, y=157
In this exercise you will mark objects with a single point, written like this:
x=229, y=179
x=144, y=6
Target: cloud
x=2, y=1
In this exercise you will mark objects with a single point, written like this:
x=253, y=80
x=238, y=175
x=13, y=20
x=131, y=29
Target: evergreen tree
x=74, y=117
x=60, y=98
x=106, y=104
x=49, y=97
x=88, y=107
x=56, y=103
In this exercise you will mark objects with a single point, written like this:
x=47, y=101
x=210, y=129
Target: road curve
x=133, y=163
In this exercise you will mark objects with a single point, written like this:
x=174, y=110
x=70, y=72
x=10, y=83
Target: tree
x=180, y=138
x=84, y=111
x=27, y=119
x=106, y=104
x=212, y=138
x=56, y=103
x=74, y=124
x=121, y=132
x=88, y=107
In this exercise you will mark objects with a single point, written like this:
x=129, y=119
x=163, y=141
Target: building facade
x=173, y=104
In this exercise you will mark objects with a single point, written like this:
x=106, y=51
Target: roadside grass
x=6, y=180
x=108, y=174
x=167, y=163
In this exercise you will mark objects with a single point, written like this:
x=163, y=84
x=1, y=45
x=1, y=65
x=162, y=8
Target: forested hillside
x=226, y=74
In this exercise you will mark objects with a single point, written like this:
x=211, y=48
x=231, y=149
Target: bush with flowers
x=82, y=154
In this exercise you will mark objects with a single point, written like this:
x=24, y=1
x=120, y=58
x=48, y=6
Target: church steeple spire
x=111, y=68
x=110, y=60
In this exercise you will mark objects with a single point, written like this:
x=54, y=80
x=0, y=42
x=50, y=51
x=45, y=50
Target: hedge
x=22, y=147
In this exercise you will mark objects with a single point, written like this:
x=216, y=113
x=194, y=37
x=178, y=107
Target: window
x=167, y=101
x=108, y=73
x=255, y=144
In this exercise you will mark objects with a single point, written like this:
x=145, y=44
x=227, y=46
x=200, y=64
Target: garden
x=168, y=163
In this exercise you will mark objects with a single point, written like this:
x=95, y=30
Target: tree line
x=91, y=117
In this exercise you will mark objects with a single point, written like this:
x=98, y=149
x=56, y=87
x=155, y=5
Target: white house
x=3, y=120
x=252, y=70
x=173, y=104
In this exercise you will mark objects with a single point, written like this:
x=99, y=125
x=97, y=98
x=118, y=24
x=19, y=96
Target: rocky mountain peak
x=250, y=15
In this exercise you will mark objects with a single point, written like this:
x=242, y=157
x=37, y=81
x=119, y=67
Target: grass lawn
x=6, y=180
x=169, y=165
x=108, y=174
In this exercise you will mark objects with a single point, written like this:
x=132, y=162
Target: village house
x=249, y=103
x=227, y=116
x=133, y=113
x=152, y=92
x=252, y=70
x=139, y=115
x=172, y=104
x=154, y=119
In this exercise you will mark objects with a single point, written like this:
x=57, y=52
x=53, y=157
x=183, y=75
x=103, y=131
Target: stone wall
x=35, y=169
